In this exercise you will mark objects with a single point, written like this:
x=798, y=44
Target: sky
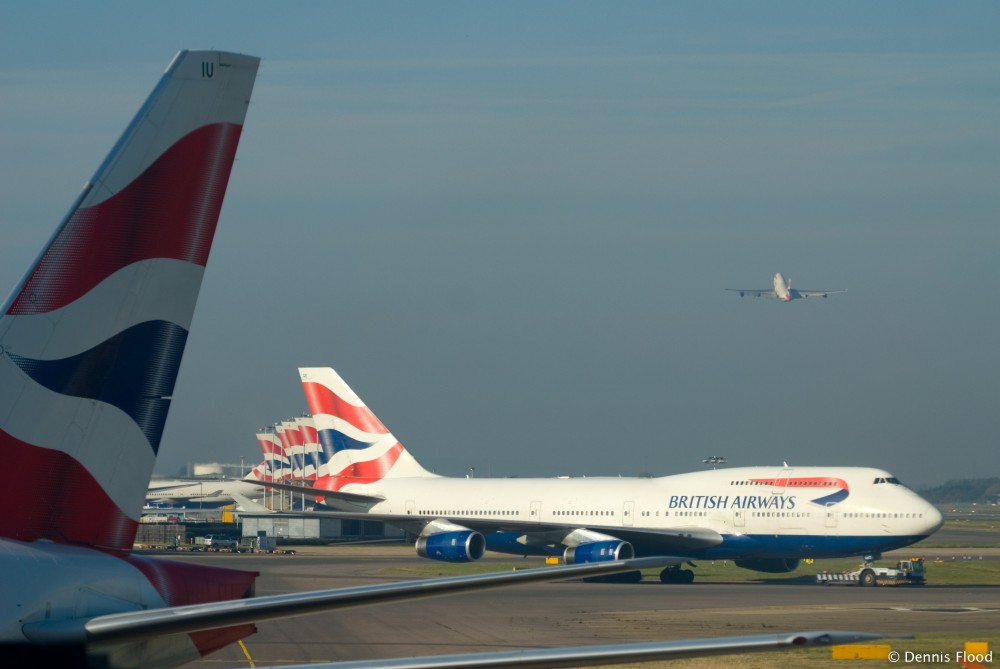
x=510, y=226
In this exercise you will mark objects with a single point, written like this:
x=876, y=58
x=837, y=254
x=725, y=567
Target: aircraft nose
x=933, y=519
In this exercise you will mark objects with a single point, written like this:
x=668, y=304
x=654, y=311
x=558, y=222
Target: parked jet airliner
x=783, y=291
x=205, y=492
x=90, y=345
x=763, y=518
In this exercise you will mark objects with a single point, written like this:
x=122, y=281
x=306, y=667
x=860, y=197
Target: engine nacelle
x=770, y=565
x=599, y=551
x=463, y=546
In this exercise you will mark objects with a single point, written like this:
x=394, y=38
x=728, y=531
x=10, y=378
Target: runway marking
x=247, y=653
x=962, y=609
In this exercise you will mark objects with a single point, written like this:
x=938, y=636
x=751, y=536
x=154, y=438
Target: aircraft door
x=535, y=511
x=831, y=516
x=739, y=518
x=411, y=507
x=780, y=483
x=628, y=511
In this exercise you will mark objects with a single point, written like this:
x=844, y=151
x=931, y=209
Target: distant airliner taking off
x=764, y=518
x=783, y=291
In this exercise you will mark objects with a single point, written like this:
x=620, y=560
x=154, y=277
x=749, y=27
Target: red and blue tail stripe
x=357, y=447
x=92, y=339
x=335, y=416
x=178, y=199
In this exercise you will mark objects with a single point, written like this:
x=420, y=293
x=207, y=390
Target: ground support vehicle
x=216, y=542
x=905, y=572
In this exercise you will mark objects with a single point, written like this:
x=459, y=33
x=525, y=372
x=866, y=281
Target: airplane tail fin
x=92, y=337
x=291, y=442
x=258, y=473
x=274, y=455
x=357, y=448
x=310, y=447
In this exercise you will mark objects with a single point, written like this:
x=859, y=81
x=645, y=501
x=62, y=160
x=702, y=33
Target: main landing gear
x=675, y=574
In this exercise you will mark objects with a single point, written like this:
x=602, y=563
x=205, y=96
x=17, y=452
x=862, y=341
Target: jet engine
x=460, y=546
x=599, y=551
x=770, y=565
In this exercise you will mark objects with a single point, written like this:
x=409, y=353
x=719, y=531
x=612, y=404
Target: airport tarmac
x=570, y=613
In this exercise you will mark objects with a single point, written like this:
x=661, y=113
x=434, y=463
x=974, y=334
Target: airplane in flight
x=91, y=341
x=766, y=519
x=783, y=291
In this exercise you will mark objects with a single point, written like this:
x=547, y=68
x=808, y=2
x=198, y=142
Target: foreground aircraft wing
x=594, y=656
x=764, y=292
x=137, y=625
x=142, y=625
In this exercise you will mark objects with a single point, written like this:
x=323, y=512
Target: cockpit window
x=888, y=479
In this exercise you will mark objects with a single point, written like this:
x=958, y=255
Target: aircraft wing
x=673, y=541
x=593, y=656
x=246, y=505
x=320, y=492
x=815, y=293
x=213, y=493
x=753, y=292
x=165, y=488
x=138, y=625
x=666, y=542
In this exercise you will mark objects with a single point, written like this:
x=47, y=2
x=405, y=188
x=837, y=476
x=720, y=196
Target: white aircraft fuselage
x=209, y=491
x=757, y=512
x=781, y=288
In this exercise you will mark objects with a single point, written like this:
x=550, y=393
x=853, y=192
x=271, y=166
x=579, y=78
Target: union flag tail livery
x=275, y=461
x=91, y=340
x=357, y=449
x=310, y=446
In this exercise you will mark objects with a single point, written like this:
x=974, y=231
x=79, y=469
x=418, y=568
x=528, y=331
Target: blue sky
x=509, y=225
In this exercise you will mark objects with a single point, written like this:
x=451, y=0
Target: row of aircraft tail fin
x=341, y=442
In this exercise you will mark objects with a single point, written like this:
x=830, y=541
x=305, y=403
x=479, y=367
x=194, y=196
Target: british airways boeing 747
x=764, y=518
